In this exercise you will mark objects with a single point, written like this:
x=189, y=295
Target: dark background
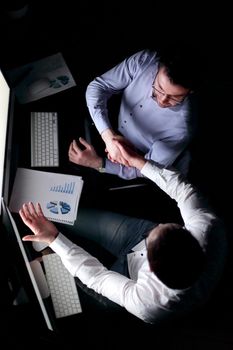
x=93, y=37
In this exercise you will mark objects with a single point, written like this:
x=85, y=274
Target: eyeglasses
x=174, y=100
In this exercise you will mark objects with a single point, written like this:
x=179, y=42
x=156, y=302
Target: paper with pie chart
x=58, y=194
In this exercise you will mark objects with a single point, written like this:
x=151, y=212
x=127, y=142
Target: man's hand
x=113, y=152
x=43, y=229
x=87, y=157
x=132, y=158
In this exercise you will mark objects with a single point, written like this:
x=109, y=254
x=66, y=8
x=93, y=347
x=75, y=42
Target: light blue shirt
x=161, y=134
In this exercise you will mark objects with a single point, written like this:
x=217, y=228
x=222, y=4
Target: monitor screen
x=4, y=107
x=6, y=143
x=25, y=268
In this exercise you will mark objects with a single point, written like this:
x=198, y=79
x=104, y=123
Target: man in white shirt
x=171, y=269
x=158, y=108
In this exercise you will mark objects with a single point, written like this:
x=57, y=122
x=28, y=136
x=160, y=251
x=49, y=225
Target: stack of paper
x=58, y=194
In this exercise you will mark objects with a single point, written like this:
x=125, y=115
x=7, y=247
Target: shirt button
x=140, y=106
x=141, y=254
x=125, y=121
x=131, y=113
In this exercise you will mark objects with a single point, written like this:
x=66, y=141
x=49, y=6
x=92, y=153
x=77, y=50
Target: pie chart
x=58, y=207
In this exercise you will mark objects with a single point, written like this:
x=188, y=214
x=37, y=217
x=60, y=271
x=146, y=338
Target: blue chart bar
x=66, y=188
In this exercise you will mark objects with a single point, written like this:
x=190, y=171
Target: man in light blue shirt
x=156, y=113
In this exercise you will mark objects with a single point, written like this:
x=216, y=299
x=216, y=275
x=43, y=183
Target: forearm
x=194, y=209
x=89, y=269
x=96, y=99
x=169, y=180
x=74, y=257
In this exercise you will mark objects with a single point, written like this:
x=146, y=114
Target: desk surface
x=72, y=111
x=70, y=106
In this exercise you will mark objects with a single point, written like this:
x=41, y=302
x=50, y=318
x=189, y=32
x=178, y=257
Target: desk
x=70, y=106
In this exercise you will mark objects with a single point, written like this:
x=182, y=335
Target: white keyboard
x=44, y=139
x=62, y=287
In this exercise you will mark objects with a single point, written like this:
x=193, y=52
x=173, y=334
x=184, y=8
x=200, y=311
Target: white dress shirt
x=143, y=294
x=161, y=134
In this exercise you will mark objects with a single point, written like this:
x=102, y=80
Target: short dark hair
x=183, y=64
x=175, y=256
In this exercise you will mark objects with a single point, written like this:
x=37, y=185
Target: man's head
x=174, y=255
x=180, y=73
x=183, y=65
x=166, y=92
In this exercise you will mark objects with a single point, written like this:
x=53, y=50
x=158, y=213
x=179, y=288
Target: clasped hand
x=130, y=155
x=114, y=153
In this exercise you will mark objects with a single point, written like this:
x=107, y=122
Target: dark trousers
x=105, y=231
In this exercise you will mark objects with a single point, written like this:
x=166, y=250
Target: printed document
x=58, y=194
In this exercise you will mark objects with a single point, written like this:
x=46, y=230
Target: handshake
x=118, y=150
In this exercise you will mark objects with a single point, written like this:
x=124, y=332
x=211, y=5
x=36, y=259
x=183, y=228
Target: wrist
x=52, y=238
x=101, y=167
x=95, y=163
x=108, y=134
x=139, y=163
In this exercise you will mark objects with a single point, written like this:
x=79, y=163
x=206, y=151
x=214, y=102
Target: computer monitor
x=25, y=271
x=7, y=154
x=16, y=255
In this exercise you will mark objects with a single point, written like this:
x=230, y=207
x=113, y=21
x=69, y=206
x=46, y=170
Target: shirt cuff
x=111, y=168
x=61, y=245
x=149, y=168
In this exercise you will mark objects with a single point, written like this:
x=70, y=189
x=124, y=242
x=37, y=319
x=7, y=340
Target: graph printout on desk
x=58, y=194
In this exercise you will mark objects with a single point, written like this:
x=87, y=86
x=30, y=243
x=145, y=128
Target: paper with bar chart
x=58, y=194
